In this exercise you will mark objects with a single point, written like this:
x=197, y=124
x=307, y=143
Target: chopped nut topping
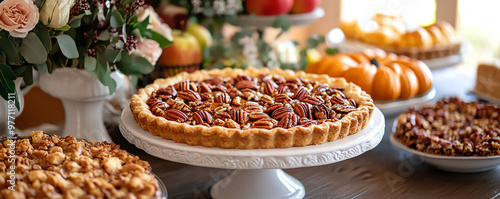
x=452, y=127
x=67, y=168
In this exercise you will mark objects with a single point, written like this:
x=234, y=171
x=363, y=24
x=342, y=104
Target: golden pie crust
x=223, y=137
x=425, y=53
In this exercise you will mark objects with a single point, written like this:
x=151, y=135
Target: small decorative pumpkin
x=335, y=66
x=422, y=72
x=385, y=76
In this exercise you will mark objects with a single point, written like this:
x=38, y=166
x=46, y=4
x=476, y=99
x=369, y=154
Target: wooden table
x=384, y=172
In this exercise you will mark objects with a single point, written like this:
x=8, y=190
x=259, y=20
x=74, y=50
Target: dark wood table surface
x=384, y=172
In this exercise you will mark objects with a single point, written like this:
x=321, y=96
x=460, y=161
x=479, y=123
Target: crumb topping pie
x=55, y=167
x=251, y=108
x=452, y=127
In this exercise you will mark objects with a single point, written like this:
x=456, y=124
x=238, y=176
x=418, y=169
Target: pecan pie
x=251, y=108
x=452, y=127
x=56, y=167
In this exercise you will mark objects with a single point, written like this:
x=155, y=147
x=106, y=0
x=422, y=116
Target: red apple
x=268, y=7
x=184, y=51
x=304, y=6
x=176, y=17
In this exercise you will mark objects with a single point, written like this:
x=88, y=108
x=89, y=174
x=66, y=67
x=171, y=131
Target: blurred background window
x=476, y=20
x=421, y=12
x=473, y=19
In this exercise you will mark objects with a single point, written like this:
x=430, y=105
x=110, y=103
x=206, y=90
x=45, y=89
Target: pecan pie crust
x=265, y=133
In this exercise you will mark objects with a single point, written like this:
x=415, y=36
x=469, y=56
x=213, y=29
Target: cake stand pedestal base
x=257, y=172
x=258, y=183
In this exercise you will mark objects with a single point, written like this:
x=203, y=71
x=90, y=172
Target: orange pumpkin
x=422, y=72
x=409, y=82
x=385, y=76
x=335, y=66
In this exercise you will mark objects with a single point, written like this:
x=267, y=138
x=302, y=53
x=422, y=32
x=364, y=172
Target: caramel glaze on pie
x=251, y=108
x=452, y=127
x=57, y=167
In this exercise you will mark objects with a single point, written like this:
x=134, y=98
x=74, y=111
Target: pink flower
x=18, y=17
x=149, y=49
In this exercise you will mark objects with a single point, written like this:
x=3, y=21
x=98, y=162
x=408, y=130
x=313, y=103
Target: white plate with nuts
x=457, y=164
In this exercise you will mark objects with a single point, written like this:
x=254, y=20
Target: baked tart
x=251, y=109
x=488, y=82
x=452, y=127
x=43, y=166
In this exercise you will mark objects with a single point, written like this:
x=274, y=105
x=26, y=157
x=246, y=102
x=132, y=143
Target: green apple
x=201, y=34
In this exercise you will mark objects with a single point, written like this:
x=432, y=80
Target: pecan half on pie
x=55, y=167
x=251, y=108
x=452, y=127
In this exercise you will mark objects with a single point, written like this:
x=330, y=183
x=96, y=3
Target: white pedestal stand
x=83, y=97
x=258, y=173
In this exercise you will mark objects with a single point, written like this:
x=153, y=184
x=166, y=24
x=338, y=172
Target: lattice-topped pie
x=56, y=167
x=251, y=108
x=452, y=127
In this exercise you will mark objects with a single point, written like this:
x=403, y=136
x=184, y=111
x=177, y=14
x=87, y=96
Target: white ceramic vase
x=4, y=117
x=83, y=97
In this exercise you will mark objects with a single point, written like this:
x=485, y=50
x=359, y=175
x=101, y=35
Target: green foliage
x=283, y=23
x=3, y=58
x=42, y=68
x=68, y=46
x=8, y=47
x=117, y=19
x=93, y=40
x=7, y=84
x=230, y=54
x=90, y=63
x=133, y=65
x=64, y=28
x=142, y=26
x=33, y=50
x=44, y=36
x=314, y=41
x=331, y=51
x=164, y=42
x=112, y=55
x=76, y=21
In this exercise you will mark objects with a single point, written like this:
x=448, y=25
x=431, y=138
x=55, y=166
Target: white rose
x=55, y=13
x=149, y=49
x=155, y=22
x=287, y=51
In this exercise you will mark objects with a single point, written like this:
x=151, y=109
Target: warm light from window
x=477, y=21
x=422, y=12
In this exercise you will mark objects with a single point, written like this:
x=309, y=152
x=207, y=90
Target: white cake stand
x=258, y=173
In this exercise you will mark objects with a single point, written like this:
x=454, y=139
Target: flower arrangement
x=99, y=36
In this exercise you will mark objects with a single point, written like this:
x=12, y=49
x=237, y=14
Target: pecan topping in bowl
x=452, y=127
